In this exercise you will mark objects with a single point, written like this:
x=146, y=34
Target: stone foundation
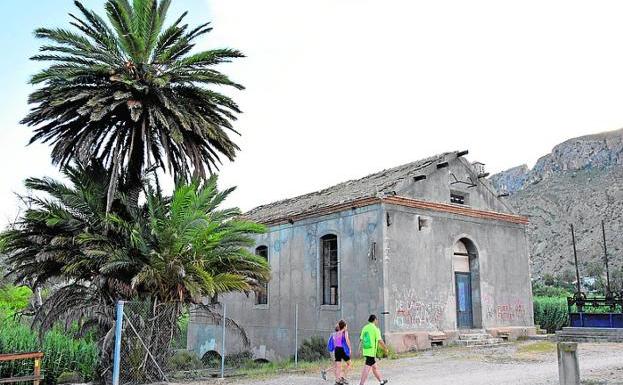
x=401, y=342
x=512, y=333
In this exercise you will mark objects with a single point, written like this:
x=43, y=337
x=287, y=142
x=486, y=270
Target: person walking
x=370, y=342
x=339, y=344
x=342, y=352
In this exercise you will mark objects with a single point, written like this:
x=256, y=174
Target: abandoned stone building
x=428, y=246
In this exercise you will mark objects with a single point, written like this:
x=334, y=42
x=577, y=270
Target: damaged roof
x=373, y=185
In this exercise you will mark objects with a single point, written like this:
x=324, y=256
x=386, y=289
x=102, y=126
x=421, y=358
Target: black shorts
x=340, y=355
x=370, y=361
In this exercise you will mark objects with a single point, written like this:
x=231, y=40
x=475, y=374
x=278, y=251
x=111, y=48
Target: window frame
x=461, y=194
x=258, y=295
x=323, y=279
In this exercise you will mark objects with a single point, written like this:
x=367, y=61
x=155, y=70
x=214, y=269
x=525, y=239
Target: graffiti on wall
x=414, y=312
x=508, y=311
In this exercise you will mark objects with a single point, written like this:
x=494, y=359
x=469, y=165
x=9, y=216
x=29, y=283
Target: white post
x=296, y=335
x=117, y=347
x=223, y=344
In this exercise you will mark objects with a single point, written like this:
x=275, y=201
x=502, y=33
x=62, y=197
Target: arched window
x=329, y=273
x=261, y=296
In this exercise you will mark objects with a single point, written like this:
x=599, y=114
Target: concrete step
x=542, y=337
x=602, y=336
x=590, y=334
x=588, y=339
x=595, y=331
x=479, y=342
x=473, y=336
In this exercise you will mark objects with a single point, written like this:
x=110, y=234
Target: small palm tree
x=130, y=94
x=197, y=250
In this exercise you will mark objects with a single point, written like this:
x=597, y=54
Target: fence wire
x=148, y=334
x=153, y=344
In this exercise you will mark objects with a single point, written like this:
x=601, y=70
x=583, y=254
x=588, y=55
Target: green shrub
x=540, y=290
x=185, y=360
x=180, y=340
x=70, y=378
x=239, y=359
x=313, y=349
x=551, y=313
x=14, y=298
x=62, y=353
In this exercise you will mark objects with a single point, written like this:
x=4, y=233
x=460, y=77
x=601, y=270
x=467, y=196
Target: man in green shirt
x=370, y=341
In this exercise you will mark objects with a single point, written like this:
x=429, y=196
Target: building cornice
x=406, y=202
x=456, y=209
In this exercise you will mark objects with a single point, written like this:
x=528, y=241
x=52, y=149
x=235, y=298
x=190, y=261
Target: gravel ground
x=517, y=364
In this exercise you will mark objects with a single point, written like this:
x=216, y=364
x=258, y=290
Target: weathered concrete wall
x=437, y=186
x=421, y=276
x=294, y=256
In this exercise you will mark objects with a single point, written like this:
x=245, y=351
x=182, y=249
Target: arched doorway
x=467, y=284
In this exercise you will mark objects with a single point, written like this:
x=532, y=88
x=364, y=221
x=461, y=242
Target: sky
x=338, y=89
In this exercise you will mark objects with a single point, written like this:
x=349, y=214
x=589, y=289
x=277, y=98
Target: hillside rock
x=581, y=183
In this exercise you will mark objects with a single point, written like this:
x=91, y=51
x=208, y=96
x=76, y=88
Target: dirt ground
x=517, y=364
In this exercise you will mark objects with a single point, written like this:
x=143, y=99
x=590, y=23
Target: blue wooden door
x=464, y=300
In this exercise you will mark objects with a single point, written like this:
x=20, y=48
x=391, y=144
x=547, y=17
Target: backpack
x=345, y=345
x=367, y=340
x=331, y=343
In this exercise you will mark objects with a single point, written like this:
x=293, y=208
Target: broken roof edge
x=371, y=185
x=405, y=202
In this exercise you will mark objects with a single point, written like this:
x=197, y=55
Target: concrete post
x=223, y=346
x=568, y=367
x=296, y=335
x=117, y=347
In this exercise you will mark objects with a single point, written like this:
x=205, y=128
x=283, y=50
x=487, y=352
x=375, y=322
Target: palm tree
x=48, y=246
x=169, y=253
x=130, y=94
x=174, y=250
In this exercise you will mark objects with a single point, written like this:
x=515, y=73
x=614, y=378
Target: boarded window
x=328, y=248
x=458, y=198
x=261, y=296
x=460, y=260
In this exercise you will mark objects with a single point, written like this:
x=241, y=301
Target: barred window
x=457, y=198
x=328, y=248
x=261, y=296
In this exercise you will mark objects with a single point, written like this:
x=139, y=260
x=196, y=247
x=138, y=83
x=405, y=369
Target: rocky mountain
x=581, y=183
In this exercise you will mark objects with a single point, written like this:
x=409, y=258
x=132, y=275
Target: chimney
x=480, y=169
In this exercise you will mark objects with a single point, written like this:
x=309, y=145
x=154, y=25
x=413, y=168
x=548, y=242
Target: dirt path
x=516, y=364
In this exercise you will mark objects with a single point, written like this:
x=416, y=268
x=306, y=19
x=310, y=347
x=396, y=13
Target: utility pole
x=603, y=233
x=575, y=257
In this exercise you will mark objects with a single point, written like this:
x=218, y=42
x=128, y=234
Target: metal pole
x=575, y=256
x=603, y=233
x=296, y=335
x=117, y=349
x=223, y=345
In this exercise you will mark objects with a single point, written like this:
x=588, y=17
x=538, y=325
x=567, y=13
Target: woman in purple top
x=342, y=352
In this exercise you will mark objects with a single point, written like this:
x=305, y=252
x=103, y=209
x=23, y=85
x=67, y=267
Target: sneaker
x=383, y=382
x=343, y=381
x=323, y=374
